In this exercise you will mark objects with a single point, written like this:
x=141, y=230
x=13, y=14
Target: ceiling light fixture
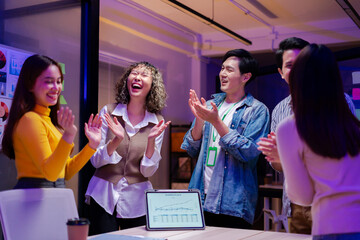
x=262, y=8
x=207, y=21
x=350, y=11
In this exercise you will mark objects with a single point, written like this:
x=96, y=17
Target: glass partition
x=51, y=28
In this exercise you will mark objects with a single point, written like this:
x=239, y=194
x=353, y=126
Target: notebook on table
x=174, y=209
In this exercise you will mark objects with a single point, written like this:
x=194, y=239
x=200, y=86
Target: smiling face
x=139, y=82
x=289, y=57
x=232, y=81
x=48, y=86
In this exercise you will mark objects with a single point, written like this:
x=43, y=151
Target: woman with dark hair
x=39, y=135
x=319, y=146
x=129, y=151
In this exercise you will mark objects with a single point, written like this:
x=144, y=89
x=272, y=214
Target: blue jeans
x=340, y=236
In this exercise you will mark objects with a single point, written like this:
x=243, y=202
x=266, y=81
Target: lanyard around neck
x=225, y=114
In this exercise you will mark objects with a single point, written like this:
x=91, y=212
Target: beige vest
x=131, y=150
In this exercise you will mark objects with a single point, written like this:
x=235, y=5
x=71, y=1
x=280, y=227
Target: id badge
x=211, y=156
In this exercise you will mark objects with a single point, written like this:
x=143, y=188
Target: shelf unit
x=181, y=164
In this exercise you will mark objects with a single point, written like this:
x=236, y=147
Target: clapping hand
x=114, y=125
x=200, y=110
x=158, y=129
x=207, y=114
x=93, y=130
x=155, y=132
x=269, y=148
x=193, y=100
x=66, y=121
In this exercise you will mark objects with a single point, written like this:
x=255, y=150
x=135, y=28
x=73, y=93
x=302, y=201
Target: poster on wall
x=11, y=61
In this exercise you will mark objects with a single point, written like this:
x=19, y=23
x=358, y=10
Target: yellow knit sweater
x=40, y=151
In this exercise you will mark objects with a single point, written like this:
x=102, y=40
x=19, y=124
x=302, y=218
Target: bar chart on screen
x=174, y=209
x=175, y=218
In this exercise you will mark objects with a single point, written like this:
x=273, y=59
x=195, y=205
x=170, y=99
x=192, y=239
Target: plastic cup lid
x=78, y=221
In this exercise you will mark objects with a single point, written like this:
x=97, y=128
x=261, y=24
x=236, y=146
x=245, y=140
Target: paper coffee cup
x=78, y=228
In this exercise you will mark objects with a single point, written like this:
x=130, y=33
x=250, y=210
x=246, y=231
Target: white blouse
x=129, y=199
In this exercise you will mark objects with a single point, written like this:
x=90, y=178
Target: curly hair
x=156, y=98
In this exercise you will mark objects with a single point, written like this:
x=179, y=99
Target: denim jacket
x=233, y=189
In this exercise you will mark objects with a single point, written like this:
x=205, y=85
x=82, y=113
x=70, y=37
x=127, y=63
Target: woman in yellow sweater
x=39, y=135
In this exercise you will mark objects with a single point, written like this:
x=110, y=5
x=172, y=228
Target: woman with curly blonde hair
x=129, y=151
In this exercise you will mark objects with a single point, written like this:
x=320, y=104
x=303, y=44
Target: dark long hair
x=24, y=99
x=323, y=118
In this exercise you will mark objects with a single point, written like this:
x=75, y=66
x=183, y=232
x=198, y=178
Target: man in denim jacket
x=223, y=137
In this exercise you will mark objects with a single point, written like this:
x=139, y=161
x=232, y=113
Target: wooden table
x=210, y=233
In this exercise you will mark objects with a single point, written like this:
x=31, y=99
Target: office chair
x=36, y=214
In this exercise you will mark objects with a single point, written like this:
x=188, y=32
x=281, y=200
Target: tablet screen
x=174, y=210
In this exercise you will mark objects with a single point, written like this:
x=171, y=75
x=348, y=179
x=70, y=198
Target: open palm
x=66, y=120
x=93, y=130
x=158, y=129
x=114, y=125
x=193, y=100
